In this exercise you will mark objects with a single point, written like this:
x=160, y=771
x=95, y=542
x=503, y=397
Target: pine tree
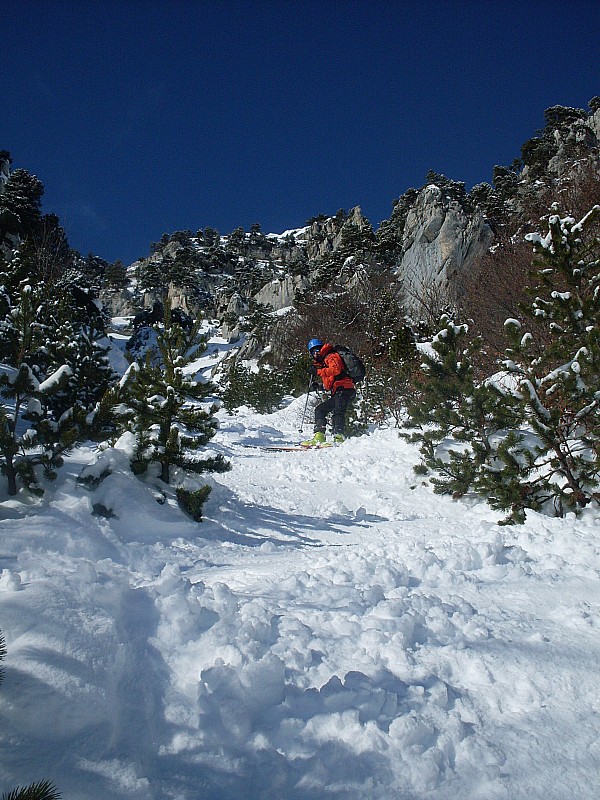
x=77, y=346
x=167, y=418
x=451, y=190
x=390, y=232
x=20, y=204
x=557, y=366
x=45, y=252
x=115, y=275
x=20, y=336
x=263, y=390
x=457, y=418
x=356, y=242
x=30, y=434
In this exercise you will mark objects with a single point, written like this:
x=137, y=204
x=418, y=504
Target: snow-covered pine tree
x=78, y=345
x=30, y=434
x=168, y=412
x=557, y=365
x=262, y=390
x=20, y=204
x=456, y=418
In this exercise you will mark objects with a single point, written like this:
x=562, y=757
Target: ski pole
x=305, y=404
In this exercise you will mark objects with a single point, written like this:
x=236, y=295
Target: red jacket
x=331, y=370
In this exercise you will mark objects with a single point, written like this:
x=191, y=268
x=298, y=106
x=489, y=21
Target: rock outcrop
x=280, y=293
x=440, y=243
x=4, y=172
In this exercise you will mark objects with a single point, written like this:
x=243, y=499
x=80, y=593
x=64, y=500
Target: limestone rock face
x=594, y=123
x=179, y=299
x=119, y=303
x=235, y=308
x=440, y=243
x=280, y=293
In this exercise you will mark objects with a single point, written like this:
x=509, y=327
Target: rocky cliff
x=433, y=239
x=440, y=243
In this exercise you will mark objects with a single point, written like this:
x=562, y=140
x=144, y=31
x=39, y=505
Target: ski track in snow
x=332, y=629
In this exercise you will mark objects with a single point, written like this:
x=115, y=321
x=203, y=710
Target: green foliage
x=557, y=367
x=45, y=253
x=251, y=275
x=115, y=275
x=493, y=201
x=451, y=190
x=151, y=277
x=531, y=439
x=391, y=379
x=356, y=242
x=193, y=502
x=90, y=372
x=166, y=411
x=258, y=320
x=561, y=117
x=49, y=338
x=507, y=485
x=20, y=204
x=236, y=241
x=210, y=236
x=42, y=790
x=457, y=420
x=262, y=390
x=506, y=181
x=177, y=261
x=390, y=233
x=536, y=153
x=356, y=246
x=295, y=372
x=47, y=436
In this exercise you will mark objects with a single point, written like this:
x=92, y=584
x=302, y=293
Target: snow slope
x=332, y=629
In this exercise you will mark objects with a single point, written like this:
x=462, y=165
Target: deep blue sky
x=142, y=117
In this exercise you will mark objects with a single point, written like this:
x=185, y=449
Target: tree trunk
x=11, y=476
x=164, y=471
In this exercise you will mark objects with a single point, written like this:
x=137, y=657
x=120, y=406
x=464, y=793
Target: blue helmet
x=313, y=344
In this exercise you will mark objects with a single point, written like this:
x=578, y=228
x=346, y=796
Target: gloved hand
x=312, y=372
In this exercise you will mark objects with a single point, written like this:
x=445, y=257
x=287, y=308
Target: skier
x=329, y=368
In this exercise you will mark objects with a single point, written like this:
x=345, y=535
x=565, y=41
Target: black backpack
x=355, y=367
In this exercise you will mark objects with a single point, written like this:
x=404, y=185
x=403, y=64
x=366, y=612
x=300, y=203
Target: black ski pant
x=336, y=405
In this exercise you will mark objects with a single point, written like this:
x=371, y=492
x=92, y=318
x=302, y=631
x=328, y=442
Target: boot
x=338, y=438
x=318, y=438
